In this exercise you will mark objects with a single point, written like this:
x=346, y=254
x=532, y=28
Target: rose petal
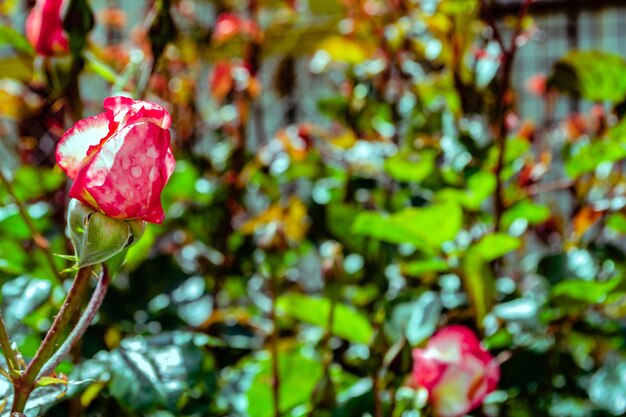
x=74, y=145
x=127, y=110
x=127, y=174
x=450, y=396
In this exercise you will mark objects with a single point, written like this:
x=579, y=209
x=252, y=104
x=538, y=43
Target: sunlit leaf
x=411, y=167
x=347, y=322
x=494, y=246
x=527, y=210
x=591, y=75
x=586, y=291
x=425, y=227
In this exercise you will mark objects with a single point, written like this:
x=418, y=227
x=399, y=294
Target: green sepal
x=96, y=237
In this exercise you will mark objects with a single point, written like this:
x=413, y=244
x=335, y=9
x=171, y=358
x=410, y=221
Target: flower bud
x=97, y=237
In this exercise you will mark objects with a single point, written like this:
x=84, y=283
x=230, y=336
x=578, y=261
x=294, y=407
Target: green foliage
x=351, y=177
x=347, y=323
x=592, y=75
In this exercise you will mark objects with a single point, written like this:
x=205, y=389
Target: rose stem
x=24, y=385
x=40, y=241
x=274, y=344
x=81, y=327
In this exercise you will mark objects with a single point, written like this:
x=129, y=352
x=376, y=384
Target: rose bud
x=44, y=28
x=456, y=371
x=120, y=160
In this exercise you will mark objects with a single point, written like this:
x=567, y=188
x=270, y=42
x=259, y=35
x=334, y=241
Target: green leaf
x=347, y=323
x=16, y=68
x=590, y=292
x=100, y=67
x=417, y=268
x=480, y=285
x=11, y=37
x=617, y=222
x=30, y=182
x=412, y=167
x=494, y=246
x=149, y=373
x=587, y=157
x=480, y=186
x=591, y=75
x=298, y=376
x=425, y=227
x=531, y=212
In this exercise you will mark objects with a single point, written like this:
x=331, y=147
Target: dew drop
x=152, y=152
x=136, y=171
x=125, y=162
x=152, y=176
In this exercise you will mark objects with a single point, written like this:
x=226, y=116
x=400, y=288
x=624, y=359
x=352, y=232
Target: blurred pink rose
x=120, y=160
x=44, y=28
x=455, y=370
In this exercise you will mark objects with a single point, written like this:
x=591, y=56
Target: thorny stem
x=508, y=55
x=40, y=241
x=274, y=344
x=83, y=324
x=24, y=385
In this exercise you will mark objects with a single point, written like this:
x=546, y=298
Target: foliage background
x=361, y=166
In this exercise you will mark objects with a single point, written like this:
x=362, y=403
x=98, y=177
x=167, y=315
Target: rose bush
x=44, y=28
x=120, y=160
x=456, y=371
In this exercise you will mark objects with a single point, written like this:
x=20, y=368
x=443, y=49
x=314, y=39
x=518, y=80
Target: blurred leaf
x=425, y=227
x=21, y=297
x=345, y=50
x=591, y=75
x=416, y=320
x=149, y=373
x=411, y=167
x=9, y=36
x=140, y=251
x=494, y=246
x=13, y=257
x=617, y=222
x=607, y=387
x=479, y=283
x=16, y=68
x=347, y=323
x=526, y=209
x=298, y=376
x=100, y=67
x=587, y=157
x=584, y=219
x=31, y=182
x=417, y=268
x=590, y=292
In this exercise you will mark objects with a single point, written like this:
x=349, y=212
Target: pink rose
x=44, y=28
x=120, y=160
x=455, y=370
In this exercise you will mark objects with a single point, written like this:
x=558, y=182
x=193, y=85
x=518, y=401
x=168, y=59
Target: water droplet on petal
x=136, y=171
x=152, y=176
x=125, y=162
x=152, y=152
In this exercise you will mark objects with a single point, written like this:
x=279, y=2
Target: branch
x=81, y=327
x=507, y=69
x=26, y=383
